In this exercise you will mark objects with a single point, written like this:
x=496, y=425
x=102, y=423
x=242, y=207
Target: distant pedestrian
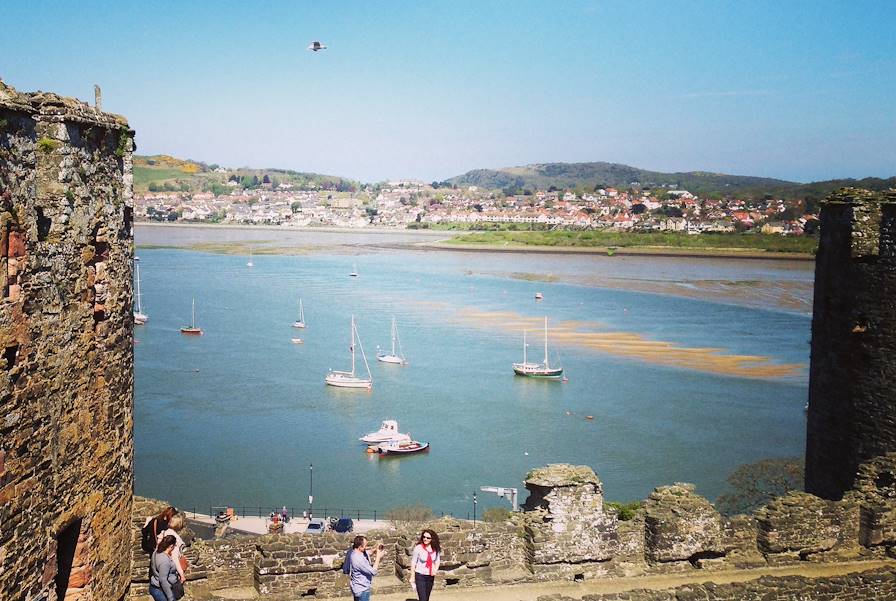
x=284, y=514
x=164, y=583
x=425, y=562
x=362, y=572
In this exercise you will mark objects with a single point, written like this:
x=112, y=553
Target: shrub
x=624, y=511
x=408, y=515
x=496, y=514
x=48, y=144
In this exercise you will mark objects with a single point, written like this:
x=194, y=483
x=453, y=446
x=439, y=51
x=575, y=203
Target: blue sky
x=796, y=90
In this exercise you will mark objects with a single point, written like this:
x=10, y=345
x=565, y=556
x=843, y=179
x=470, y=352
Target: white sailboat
x=537, y=370
x=354, y=272
x=348, y=379
x=140, y=317
x=250, y=263
x=393, y=357
x=300, y=322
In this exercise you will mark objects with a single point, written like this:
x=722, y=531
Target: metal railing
x=265, y=511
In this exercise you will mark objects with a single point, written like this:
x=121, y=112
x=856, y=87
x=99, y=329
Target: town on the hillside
x=414, y=204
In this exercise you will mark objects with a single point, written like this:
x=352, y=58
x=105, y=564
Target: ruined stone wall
x=863, y=586
x=852, y=399
x=566, y=533
x=66, y=355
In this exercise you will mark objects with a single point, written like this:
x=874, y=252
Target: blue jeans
x=365, y=596
x=157, y=594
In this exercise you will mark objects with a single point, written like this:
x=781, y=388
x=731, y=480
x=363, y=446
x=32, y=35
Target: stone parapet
x=799, y=525
x=680, y=525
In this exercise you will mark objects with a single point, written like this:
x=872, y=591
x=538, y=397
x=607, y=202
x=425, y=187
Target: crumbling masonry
x=66, y=351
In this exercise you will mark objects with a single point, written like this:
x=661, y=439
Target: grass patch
x=409, y=515
x=624, y=511
x=48, y=144
x=592, y=239
x=144, y=175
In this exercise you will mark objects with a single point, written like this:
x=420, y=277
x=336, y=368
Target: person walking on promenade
x=362, y=573
x=425, y=562
x=163, y=577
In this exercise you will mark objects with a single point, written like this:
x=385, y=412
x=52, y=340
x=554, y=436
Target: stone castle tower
x=852, y=381
x=66, y=350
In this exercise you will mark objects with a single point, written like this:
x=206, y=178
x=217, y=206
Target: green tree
x=755, y=484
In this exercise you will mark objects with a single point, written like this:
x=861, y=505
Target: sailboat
x=140, y=317
x=392, y=357
x=300, y=322
x=250, y=263
x=192, y=330
x=537, y=370
x=354, y=272
x=348, y=379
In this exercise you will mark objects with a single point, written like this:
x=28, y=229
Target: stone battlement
x=566, y=534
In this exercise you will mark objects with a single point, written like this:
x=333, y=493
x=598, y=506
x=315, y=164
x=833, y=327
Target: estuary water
x=679, y=369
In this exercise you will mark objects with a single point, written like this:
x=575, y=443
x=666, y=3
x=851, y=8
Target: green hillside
x=163, y=173
x=588, y=176
x=615, y=175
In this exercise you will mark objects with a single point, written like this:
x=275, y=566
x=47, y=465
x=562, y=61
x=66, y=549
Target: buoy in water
x=565, y=379
x=370, y=450
x=589, y=417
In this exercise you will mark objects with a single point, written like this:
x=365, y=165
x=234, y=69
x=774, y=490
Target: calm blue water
x=236, y=416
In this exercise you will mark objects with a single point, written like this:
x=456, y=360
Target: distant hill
x=600, y=174
x=166, y=173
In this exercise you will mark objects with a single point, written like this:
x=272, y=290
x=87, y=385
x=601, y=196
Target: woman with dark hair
x=163, y=576
x=425, y=563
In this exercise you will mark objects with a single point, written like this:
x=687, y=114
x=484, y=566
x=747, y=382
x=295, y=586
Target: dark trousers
x=424, y=585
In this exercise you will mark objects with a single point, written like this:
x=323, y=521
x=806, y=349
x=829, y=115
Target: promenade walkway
x=257, y=525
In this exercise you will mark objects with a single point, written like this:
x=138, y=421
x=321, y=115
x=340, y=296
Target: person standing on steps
x=362, y=572
x=425, y=562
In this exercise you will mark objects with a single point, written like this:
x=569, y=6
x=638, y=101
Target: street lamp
x=474, y=508
x=310, y=490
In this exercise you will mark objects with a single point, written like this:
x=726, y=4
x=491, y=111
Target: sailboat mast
x=193, y=318
x=545, y=341
x=524, y=347
x=139, y=305
x=393, y=336
x=353, y=346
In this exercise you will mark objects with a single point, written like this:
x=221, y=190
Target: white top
x=178, y=548
x=418, y=560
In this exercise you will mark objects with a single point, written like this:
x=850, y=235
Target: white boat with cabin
x=348, y=379
x=388, y=432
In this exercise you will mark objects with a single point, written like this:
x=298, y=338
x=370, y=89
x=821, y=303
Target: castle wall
x=852, y=400
x=66, y=355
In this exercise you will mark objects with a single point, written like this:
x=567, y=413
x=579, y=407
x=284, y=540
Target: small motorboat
x=296, y=340
x=539, y=296
x=400, y=448
x=388, y=432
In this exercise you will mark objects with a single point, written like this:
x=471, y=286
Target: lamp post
x=311, y=490
x=474, y=508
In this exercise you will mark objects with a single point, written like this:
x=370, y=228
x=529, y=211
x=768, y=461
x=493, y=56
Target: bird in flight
x=315, y=46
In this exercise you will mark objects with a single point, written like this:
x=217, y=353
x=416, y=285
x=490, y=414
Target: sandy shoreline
x=439, y=244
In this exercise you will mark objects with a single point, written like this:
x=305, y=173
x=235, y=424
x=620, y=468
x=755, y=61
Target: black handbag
x=178, y=589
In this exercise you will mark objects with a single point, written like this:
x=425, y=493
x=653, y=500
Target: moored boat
x=542, y=370
x=192, y=330
x=348, y=379
x=300, y=322
x=388, y=432
x=393, y=357
x=400, y=448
